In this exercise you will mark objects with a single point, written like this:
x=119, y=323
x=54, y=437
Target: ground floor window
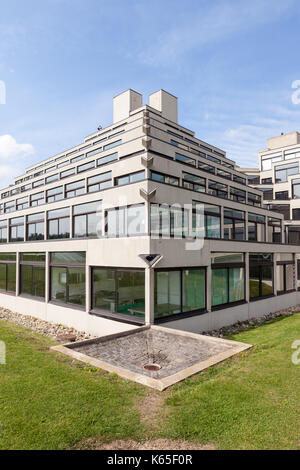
x=260, y=275
x=179, y=291
x=8, y=272
x=285, y=274
x=119, y=291
x=32, y=269
x=227, y=278
x=68, y=277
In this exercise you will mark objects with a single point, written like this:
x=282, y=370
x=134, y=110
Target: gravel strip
x=252, y=323
x=52, y=330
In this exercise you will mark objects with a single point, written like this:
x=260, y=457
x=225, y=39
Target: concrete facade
x=144, y=161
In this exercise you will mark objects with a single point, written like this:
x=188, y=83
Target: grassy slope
x=48, y=402
x=246, y=403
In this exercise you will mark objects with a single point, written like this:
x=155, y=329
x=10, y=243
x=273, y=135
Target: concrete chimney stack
x=165, y=103
x=126, y=102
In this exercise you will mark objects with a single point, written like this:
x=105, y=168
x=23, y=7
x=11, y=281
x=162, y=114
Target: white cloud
x=12, y=158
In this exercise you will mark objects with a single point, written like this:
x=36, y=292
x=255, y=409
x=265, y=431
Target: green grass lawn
x=48, y=401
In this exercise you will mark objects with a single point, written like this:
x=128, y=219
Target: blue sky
x=231, y=64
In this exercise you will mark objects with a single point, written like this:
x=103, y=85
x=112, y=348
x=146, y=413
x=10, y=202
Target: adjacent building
x=143, y=223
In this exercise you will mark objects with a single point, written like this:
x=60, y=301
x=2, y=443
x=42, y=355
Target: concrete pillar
x=275, y=276
x=149, y=296
x=88, y=285
x=222, y=222
x=246, y=225
x=47, y=277
x=18, y=273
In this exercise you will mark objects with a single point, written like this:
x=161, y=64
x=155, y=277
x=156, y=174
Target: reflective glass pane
x=193, y=289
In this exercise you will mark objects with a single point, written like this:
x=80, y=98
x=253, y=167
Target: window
x=285, y=275
x=3, y=231
x=169, y=221
x=260, y=275
x=254, y=199
x=206, y=220
x=37, y=199
x=194, y=182
x=107, y=159
x=112, y=144
x=282, y=195
x=217, y=189
x=237, y=195
x=55, y=194
x=59, y=223
x=37, y=183
x=78, y=158
x=213, y=159
x=86, y=166
x=267, y=160
x=239, y=179
x=283, y=209
x=185, y=159
x=119, y=291
x=68, y=277
x=99, y=182
x=282, y=172
x=267, y=193
x=62, y=164
x=266, y=181
x=296, y=214
x=16, y=229
x=52, y=178
x=205, y=167
x=274, y=230
x=131, y=178
x=294, y=235
x=51, y=168
x=35, y=227
x=26, y=187
x=296, y=188
x=227, y=278
x=179, y=144
x=234, y=224
x=162, y=178
x=87, y=219
x=66, y=173
x=125, y=221
x=9, y=207
x=223, y=174
x=8, y=272
x=256, y=227
x=179, y=291
x=75, y=189
x=22, y=203
x=32, y=266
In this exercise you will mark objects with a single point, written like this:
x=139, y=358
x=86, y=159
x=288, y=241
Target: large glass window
x=237, y=195
x=131, y=178
x=185, y=159
x=119, y=291
x=254, y=199
x=282, y=172
x=260, y=275
x=285, y=276
x=274, y=230
x=193, y=182
x=283, y=209
x=32, y=267
x=282, y=195
x=16, y=229
x=227, y=278
x=37, y=199
x=206, y=220
x=8, y=272
x=256, y=227
x=3, y=231
x=55, y=194
x=99, y=182
x=162, y=178
x=59, y=223
x=87, y=220
x=234, y=224
x=68, y=277
x=75, y=189
x=217, y=189
x=179, y=291
x=35, y=227
x=125, y=221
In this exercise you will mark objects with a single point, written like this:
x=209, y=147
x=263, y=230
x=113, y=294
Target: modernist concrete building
x=278, y=177
x=142, y=223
